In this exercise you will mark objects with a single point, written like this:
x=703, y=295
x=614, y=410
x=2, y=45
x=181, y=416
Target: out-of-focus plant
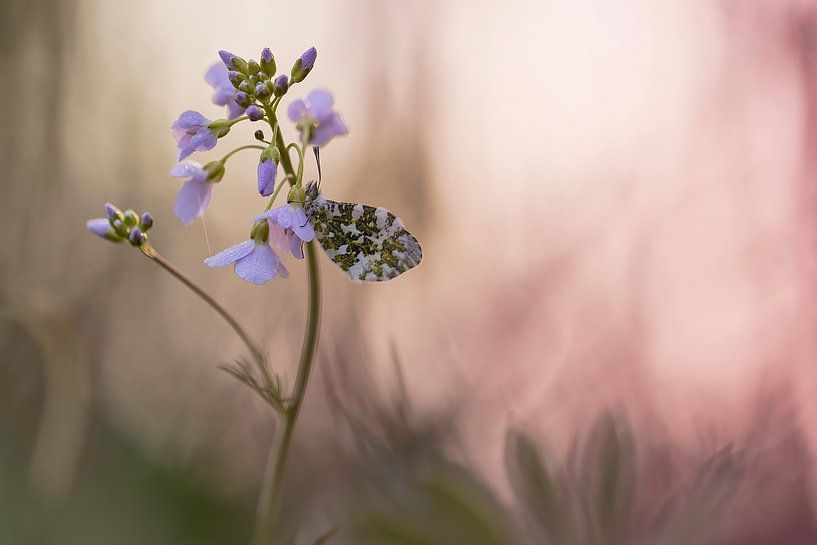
x=593, y=499
x=367, y=243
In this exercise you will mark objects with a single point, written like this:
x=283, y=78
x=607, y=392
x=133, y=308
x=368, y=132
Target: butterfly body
x=368, y=243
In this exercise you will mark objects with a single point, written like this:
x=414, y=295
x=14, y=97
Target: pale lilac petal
x=99, y=226
x=320, y=103
x=269, y=215
x=282, y=270
x=328, y=129
x=204, y=140
x=266, y=177
x=189, y=169
x=259, y=266
x=216, y=75
x=234, y=108
x=286, y=216
x=296, y=110
x=192, y=200
x=190, y=120
x=230, y=255
x=305, y=231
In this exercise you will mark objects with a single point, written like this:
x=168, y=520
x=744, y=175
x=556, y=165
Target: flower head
x=255, y=261
x=192, y=133
x=290, y=216
x=119, y=226
x=224, y=92
x=267, y=170
x=317, y=122
x=194, y=196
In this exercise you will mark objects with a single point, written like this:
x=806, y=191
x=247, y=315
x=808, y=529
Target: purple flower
x=194, y=196
x=286, y=240
x=255, y=261
x=315, y=118
x=192, y=133
x=267, y=171
x=224, y=92
x=290, y=216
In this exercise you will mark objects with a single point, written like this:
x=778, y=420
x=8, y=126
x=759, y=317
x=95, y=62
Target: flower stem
x=240, y=148
x=269, y=501
x=252, y=346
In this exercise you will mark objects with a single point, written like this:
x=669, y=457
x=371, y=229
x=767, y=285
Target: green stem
x=252, y=346
x=269, y=502
x=240, y=148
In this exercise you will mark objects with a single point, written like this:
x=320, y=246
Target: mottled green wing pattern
x=368, y=243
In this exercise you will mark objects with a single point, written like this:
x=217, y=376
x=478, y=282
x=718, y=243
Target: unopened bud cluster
x=256, y=82
x=119, y=226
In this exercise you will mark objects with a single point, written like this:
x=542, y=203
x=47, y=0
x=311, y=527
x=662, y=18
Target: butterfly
x=368, y=243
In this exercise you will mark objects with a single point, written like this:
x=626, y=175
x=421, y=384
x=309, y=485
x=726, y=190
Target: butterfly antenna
x=317, y=151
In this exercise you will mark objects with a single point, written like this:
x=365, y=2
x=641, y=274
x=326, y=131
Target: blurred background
x=611, y=338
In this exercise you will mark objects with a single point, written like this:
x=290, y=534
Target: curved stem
x=240, y=148
x=269, y=501
x=252, y=346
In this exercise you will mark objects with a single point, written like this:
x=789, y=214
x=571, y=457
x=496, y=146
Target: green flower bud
x=267, y=62
x=215, y=171
x=259, y=135
x=119, y=228
x=253, y=68
x=130, y=219
x=303, y=66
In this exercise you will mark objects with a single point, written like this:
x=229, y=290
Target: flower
x=316, y=120
x=192, y=133
x=290, y=216
x=224, y=92
x=287, y=241
x=308, y=58
x=194, y=196
x=255, y=261
x=267, y=170
x=101, y=227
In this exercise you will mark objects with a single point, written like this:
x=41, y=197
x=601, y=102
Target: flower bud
x=130, y=219
x=253, y=67
x=236, y=78
x=303, y=66
x=146, y=221
x=254, y=112
x=280, y=85
x=261, y=90
x=136, y=237
x=267, y=62
x=233, y=62
x=112, y=212
x=242, y=99
x=245, y=87
x=119, y=227
x=259, y=135
x=101, y=227
x=215, y=171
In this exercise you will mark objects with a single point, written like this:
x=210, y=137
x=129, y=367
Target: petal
x=216, y=75
x=259, y=266
x=282, y=270
x=320, y=103
x=234, y=109
x=305, y=231
x=192, y=200
x=204, y=140
x=188, y=169
x=269, y=215
x=286, y=216
x=266, y=177
x=230, y=255
x=190, y=119
x=296, y=247
x=327, y=130
x=296, y=110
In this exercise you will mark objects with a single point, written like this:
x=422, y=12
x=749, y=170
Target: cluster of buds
x=255, y=81
x=119, y=226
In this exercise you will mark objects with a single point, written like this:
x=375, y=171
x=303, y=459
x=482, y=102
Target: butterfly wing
x=368, y=243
